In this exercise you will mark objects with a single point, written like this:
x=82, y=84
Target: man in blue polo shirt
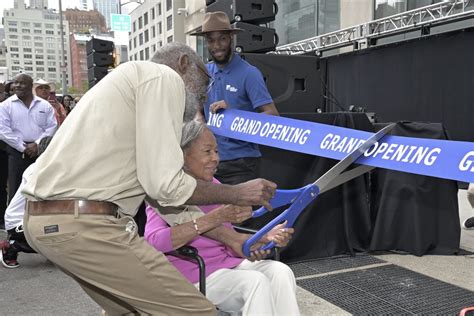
x=237, y=85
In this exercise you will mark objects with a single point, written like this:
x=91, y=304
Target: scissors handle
x=307, y=194
x=281, y=198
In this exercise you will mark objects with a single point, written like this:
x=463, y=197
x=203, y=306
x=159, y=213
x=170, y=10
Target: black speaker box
x=250, y=11
x=97, y=73
x=99, y=46
x=294, y=82
x=99, y=59
x=255, y=39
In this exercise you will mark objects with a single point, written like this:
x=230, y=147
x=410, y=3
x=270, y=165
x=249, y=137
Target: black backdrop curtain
x=428, y=80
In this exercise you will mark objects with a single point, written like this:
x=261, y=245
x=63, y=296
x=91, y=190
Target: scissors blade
x=338, y=168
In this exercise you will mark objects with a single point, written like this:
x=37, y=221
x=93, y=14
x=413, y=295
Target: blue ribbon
x=444, y=159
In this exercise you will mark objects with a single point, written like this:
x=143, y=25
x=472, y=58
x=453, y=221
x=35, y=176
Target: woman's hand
x=233, y=213
x=279, y=234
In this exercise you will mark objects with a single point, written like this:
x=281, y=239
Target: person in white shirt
x=16, y=241
x=24, y=120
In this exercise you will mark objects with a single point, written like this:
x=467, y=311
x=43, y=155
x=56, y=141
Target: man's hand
x=31, y=150
x=233, y=213
x=214, y=107
x=255, y=192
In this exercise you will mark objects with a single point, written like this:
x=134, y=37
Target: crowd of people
x=140, y=136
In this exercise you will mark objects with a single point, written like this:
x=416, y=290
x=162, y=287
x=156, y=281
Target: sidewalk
x=39, y=288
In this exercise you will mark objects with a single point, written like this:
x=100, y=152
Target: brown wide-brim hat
x=216, y=22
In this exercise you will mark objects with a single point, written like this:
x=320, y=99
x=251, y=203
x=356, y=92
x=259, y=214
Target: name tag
x=51, y=229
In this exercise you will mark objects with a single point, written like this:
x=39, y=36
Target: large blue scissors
x=299, y=199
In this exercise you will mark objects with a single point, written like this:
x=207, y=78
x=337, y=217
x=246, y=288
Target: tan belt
x=54, y=207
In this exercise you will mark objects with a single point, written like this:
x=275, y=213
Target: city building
x=33, y=41
x=3, y=57
x=81, y=21
x=155, y=23
x=107, y=7
x=79, y=62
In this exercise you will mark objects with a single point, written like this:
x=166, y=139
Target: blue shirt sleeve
x=256, y=88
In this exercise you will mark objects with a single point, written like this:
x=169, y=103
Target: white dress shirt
x=20, y=124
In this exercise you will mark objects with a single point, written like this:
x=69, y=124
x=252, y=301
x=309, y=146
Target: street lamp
x=122, y=4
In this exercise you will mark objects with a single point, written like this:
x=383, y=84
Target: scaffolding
x=362, y=35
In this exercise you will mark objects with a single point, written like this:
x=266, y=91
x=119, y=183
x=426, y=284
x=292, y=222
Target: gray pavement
x=39, y=288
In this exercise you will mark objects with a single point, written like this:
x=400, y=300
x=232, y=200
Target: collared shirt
x=20, y=124
x=120, y=143
x=242, y=87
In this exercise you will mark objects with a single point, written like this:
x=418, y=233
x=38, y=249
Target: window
x=14, y=43
x=169, y=22
x=140, y=39
x=13, y=30
x=12, y=23
x=49, y=26
x=153, y=48
x=50, y=57
x=37, y=25
x=49, y=32
x=29, y=68
x=130, y=44
x=26, y=50
x=145, y=18
x=13, y=36
x=38, y=38
x=28, y=56
x=38, y=51
x=39, y=57
x=147, y=53
x=14, y=49
x=28, y=62
x=141, y=55
x=25, y=31
x=50, y=51
x=52, y=69
x=40, y=69
x=134, y=26
x=26, y=43
x=153, y=32
x=160, y=43
x=147, y=37
x=160, y=29
x=26, y=37
x=159, y=8
x=152, y=13
x=136, y=56
x=25, y=24
x=169, y=39
x=169, y=5
x=36, y=31
x=40, y=62
x=140, y=22
x=135, y=42
x=16, y=62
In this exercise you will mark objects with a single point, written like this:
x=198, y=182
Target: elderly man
x=124, y=138
x=236, y=85
x=24, y=120
x=45, y=90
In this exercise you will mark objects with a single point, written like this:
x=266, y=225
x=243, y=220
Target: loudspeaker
x=255, y=38
x=294, y=82
x=97, y=73
x=99, y=59
x=251, y=11
x=99, y=46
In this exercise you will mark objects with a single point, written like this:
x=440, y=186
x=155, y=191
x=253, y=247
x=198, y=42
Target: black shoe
x=468, y=223
x=8, y=255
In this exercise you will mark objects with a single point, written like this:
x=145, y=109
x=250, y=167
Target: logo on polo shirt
x=230, y=88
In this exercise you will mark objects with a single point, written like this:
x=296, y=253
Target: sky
x=54, y=4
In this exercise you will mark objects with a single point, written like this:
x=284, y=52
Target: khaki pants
x=116, y=267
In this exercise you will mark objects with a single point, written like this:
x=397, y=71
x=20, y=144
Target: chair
x=192, y=254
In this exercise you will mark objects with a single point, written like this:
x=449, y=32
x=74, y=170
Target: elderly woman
x=234, y=284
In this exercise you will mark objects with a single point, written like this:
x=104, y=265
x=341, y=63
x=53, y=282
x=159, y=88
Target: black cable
x=333, y=99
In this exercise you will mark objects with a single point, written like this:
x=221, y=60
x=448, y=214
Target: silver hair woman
x=234, y=283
